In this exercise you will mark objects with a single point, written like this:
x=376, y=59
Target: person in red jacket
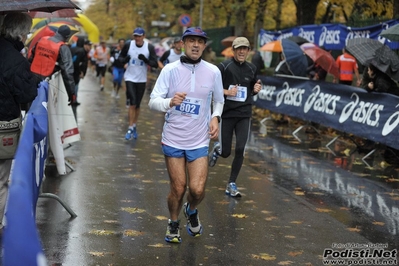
x=51, y=50
x=347, y=67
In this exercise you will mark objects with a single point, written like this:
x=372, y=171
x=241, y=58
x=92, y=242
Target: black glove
x=142, y=57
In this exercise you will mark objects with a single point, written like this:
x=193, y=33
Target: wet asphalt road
x=298, y=199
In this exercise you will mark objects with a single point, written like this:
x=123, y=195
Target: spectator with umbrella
x=379, y=55
x=378, y=81
x=293, y=60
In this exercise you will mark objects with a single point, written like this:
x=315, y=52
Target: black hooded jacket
x=18, y=85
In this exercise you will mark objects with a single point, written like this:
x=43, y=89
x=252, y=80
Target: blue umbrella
x=295, y=58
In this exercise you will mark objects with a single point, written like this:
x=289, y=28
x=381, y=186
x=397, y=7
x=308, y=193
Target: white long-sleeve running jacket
x=187, y=125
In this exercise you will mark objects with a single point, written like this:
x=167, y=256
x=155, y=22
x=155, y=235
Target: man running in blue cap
x=185, y=90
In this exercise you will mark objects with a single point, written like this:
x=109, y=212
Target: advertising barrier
x=374, y=116
x=331, y=36
x=21, y=243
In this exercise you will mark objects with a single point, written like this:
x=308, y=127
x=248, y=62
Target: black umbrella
x=387, y=61
x=372, y=51
x=35, y=5
x=392, y=33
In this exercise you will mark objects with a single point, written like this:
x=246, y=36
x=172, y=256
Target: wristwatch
x=218, y=117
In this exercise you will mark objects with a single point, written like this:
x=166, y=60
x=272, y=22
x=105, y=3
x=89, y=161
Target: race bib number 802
x=189, y=107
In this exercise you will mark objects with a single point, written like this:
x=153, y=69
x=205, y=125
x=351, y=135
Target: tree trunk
x=239, y=14
x=306, y=11
x=278, y=14
x=395, y=9
x=259, y=20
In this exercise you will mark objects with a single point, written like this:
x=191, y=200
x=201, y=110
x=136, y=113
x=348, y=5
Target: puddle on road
x=362, y=194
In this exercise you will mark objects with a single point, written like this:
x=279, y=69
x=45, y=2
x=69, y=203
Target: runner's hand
x=142, y=57
x=257, y=86
x=177, y=99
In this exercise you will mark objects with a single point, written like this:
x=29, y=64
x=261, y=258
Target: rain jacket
x=347, y=65
x=64, y=61
x=46, y=57
x=17, y=83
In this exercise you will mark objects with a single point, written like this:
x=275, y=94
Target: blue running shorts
x=190, y=155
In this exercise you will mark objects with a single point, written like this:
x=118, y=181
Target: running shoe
x=134, y=133
x=214, y=154
x=129, y=134
x=173, y=232
x=194, y=227
x=113, y=94
x=231, y=189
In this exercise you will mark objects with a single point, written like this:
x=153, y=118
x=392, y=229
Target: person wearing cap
x=102, y=55
x=185, y=90
x=138, y=54
x=49, y=51
x=239, y=83
x=172, y=54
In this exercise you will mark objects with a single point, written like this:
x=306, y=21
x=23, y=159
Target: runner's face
x=194, y=46
x=178, y=45
x=139, y=39
x=241, y=53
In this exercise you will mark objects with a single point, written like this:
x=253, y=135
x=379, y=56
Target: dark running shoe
x=194, y=227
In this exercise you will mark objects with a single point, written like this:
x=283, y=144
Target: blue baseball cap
x=195, y=31
x=139, y=31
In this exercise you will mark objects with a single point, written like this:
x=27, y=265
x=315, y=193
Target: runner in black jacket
x=239, y=83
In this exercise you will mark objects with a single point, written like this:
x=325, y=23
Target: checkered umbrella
x=392, y=33
x=372, y=51
x=363, y=49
